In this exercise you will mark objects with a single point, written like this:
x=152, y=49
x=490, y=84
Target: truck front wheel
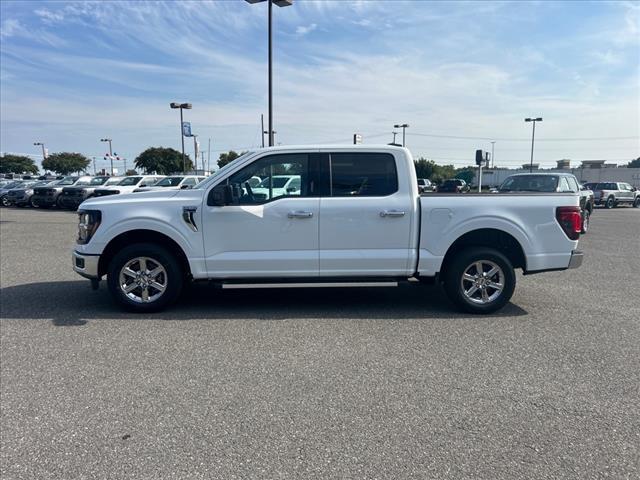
x=479, y=280
x=144, y=277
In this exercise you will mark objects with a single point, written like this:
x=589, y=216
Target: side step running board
x=229, y=286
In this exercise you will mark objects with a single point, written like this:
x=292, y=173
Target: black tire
x=59, y=203
x=586, y=218
x=636, y=203
x=610, y=203
x=32, y=203
x=4, y=201
x=461, y=263
x=173, y=277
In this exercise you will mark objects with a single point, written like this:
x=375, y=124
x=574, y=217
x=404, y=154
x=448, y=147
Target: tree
x=634, y=163
x=425, y=168
x=131, y=172
x=467, y=174
x=164, y=161
x=228, y=157
x=17, y=164
x=65, y=163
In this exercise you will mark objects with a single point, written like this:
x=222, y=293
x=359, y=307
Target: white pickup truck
x=356, y=219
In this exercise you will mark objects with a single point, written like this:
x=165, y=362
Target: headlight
x=88, y=223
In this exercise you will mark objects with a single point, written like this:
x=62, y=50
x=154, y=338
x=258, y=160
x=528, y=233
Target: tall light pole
x=110, y=152
x=533, y=137
x=181, y=106
x=403, y=126
x=195, y=152
x=394, y=136
x=44, y=152
x=493, y=162
x=279, y=3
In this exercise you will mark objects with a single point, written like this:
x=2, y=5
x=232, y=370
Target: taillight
x=570, y=221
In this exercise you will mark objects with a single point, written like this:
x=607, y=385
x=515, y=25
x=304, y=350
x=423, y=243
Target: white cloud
x=302, y=30
x=48, y=16
x=9, y=28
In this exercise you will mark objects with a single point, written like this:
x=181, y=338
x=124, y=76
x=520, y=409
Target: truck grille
x=104, y=193
x=44, y=191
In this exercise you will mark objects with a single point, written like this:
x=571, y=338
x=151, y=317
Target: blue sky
x=74, y=72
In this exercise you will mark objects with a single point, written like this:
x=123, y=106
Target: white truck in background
x=355, y=219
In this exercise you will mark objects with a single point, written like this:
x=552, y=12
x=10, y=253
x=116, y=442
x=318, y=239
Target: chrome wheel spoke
x=469, y=278
x=143, y=264
x=493, y=271
x=130, y=288
x=145, y=294
x=157, y=286
x=496, y=286
x=156, y=271
x=485, y=295
x=471, y=291
x=479, y=268
x=130, y=273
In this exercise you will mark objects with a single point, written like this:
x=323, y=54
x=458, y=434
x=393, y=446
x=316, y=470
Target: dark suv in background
x=48, y=196
x=73, y=196
x=453, y=185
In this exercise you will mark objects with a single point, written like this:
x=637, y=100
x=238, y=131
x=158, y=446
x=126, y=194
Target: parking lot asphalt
x=333, y=383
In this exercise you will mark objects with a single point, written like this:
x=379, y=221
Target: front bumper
x=86, y=265
x=576, y=259
x=48, y=200
x=71, y=201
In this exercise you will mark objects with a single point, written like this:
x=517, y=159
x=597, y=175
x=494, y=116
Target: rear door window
x=362, y=174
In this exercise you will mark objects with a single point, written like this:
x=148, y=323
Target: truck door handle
x=300, y=214
x=392, y=213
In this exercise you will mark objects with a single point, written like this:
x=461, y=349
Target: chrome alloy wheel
x=143, y=279
x=482, y=282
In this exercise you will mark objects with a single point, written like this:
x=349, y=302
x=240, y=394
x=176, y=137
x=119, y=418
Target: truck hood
x=156, y=197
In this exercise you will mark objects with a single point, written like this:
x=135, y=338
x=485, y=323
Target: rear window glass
x=606, y=186
x=530, y=183
x=363, y=174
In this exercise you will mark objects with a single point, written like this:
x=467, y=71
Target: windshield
x=84, y=182
x=12, y=185
x=606, y=186
x=168, y=182
x=68, y=181
x=98, y=180
x=129, y=181
x=278, y=182
x=113, y=181
x=223, y=170
x=530, y=183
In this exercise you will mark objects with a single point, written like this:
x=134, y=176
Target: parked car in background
x=21, y=196
x=425, y=185
x=173, y=182
x=48, y=195
x=612, y=194
x=275, y=186
x=552, y=182
x=73, y=196
x=590, y=185
x=4, y=190
x=127, y=185
x=453, y=185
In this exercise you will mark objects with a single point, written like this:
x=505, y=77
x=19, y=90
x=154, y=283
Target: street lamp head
x=539, y=119
x=401, y=125
x=174, y=105
x=38, y=143
x=279, y=3
x=186, y=106
x=105, y=139
x=528, y=119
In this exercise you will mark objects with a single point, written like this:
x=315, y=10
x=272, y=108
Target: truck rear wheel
x=586, y=216
x=145, y=277
x=479, y=280
x=610, y=203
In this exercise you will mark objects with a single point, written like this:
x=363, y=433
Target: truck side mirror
x=220, y=195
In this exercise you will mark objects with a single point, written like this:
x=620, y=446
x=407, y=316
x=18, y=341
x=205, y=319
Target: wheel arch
x=142, y=236
x=497, y=239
